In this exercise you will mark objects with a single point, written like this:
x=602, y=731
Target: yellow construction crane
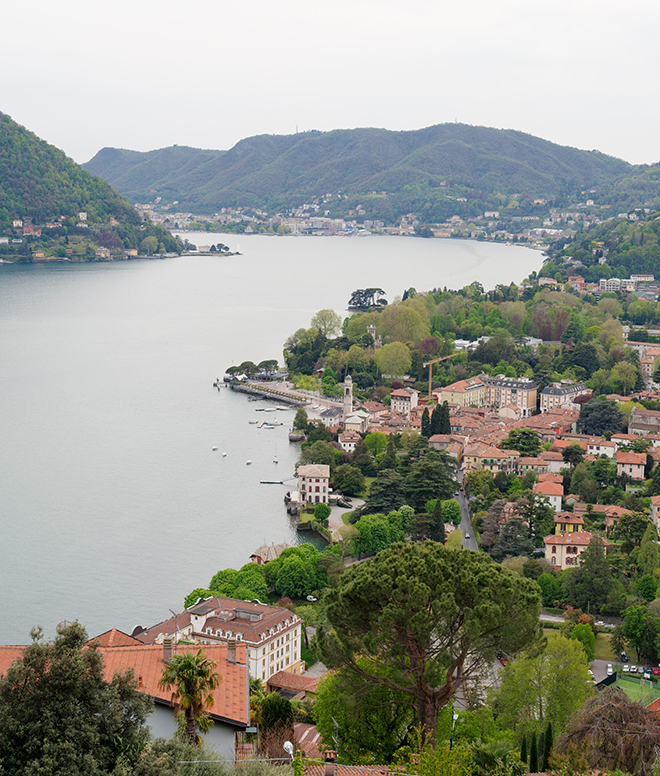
x=429, y=364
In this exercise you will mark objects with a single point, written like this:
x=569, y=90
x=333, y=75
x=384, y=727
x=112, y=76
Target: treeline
x=584, y=339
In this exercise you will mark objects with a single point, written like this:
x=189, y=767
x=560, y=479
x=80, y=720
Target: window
x=554, y=549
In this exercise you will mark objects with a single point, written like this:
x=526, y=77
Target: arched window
x=554, y=550
x=554, y=561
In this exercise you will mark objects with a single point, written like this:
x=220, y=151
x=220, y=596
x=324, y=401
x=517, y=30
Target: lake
x=113, y=505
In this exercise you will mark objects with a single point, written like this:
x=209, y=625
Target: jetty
x=268, y=392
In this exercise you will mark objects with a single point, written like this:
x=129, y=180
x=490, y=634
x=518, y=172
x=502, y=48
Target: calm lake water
x=113, y=505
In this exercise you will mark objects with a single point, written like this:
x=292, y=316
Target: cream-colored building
x=520, y=392
x=313, y=481
x=466, y=393
x=271, y=633
x=565, y=550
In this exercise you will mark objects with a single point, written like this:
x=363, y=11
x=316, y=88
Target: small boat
x=252, y=422
x=275, y=460
x=247, y=463
x=215, y=447
x=224, y=455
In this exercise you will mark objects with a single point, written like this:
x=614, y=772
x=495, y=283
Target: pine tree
x=523, y=750
x=426, y=423
x=547, y=748
x=533, y=755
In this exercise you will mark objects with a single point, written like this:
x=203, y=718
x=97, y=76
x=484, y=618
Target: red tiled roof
x=230, y=699
x=116, y=638
x=289, y=681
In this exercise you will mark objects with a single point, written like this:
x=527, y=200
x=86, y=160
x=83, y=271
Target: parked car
x=610, y=670
x=312, y=598
x=626, y=668
x=467, y=535
x=656, y=672
x=500, y=657
x=624, y=657
x=642, y=670
x=633, y=669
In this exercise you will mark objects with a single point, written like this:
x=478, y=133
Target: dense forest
x=40, y=184
x=434, y=172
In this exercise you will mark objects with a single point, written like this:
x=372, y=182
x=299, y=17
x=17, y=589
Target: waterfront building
x=313, y=482
x=271, y=634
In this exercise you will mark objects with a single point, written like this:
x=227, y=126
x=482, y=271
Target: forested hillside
x=40, y=185
x=412, y=170
x=627, y=246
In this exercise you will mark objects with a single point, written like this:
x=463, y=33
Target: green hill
x=416, y=169
x=40, y=186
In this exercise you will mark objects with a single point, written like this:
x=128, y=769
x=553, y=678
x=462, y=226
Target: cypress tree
x=436, y=420
x=534, y=755
x=437, y=526
x=547, y=748
x=426, y=423
x=445, y=423
x=523, y=749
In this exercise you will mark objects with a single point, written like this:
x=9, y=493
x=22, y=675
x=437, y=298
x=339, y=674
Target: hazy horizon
x=149, y=75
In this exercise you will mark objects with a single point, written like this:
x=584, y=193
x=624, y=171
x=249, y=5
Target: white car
x=626, y=668
x=610, y=670
x=312, y=599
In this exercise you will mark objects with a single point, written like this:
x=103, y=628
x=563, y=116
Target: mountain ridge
x=264, y=169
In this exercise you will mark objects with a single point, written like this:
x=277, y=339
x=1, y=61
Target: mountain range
x=278, y=171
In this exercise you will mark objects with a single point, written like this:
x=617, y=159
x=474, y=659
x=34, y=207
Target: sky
x=141, y=74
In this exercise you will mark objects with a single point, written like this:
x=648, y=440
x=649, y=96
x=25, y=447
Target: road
x=471, y=542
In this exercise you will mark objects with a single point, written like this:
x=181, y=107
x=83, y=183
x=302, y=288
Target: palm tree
x=192, y=678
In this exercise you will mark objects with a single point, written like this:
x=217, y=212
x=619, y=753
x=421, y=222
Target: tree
x=451, y=511
x=615, y=733
x=364, y=298
x=427, y=617
x=646, y=587
x=630, y=528
x=524, y=440
x=389, y=459
x=362, y=719
x=349, y=480
x=588, y=586
x=385, y=493
x=322, y=513
x=599, y=416
x=430, y=477
x=394, y=359
x=300, y=421
x=426, y=423
x=192, y=678
x=585, y=635
x=534, y=754
x=546, y=687
x=437, y=523
x=149, y=245
x=648, y=558
x=59, y=715
x=573, y=454
x=295, y=578
x=640, y=629
x=327, y=322
x=276, y=710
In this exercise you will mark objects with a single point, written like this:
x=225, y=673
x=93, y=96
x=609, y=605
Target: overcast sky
x=142, y=74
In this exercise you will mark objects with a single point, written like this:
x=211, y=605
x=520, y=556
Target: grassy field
x=603, y=649
x=636, y=692
x=455, y=539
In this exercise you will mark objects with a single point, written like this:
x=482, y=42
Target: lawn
x=455, y=540
x=307, y=655
x=603, y=648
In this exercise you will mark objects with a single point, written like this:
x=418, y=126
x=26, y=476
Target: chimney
x=330, y=766
x=167, y=649
x=231, y=650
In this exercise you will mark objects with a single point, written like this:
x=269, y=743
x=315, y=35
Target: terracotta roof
x=632, y=458
x=551, y=477
x=569, y=518
x=579, y=538
x=549, y=488
x=289, y=681
x=230, y=699
x=309, y=739
x=348, y=770
x=116, y=638
x=551, y=455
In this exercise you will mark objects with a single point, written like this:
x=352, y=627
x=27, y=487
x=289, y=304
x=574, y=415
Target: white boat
x=224, y=454
x=275, y=460
x=252, y=422
x=247, y=463
x=214, y=447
